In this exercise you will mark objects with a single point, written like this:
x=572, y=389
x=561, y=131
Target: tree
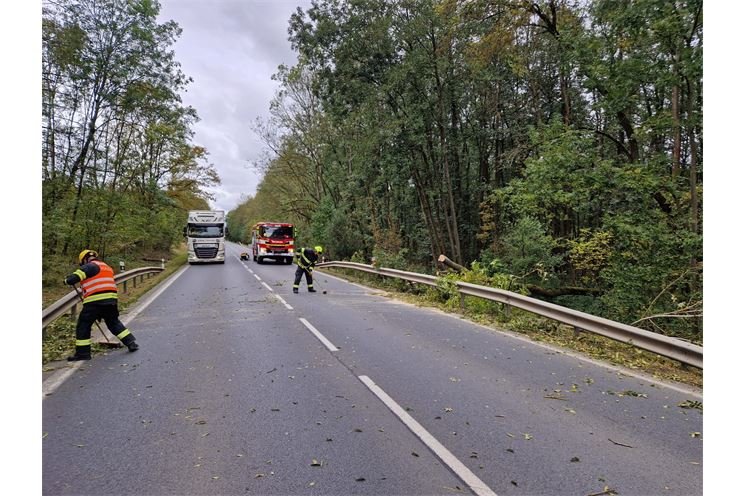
x=115, y=135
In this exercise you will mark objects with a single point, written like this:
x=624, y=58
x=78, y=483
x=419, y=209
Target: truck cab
x=205, y=236
x=274, y=241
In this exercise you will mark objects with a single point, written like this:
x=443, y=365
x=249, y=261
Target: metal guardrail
x=667, y=346
x=68, y=303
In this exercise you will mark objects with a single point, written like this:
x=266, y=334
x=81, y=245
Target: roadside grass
x=534, y=327
x=58, y=341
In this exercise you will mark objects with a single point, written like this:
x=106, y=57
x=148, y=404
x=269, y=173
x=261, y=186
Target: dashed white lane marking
x=257, y=277
x=265, y=284
x=468, y=477
x=320, y=336
x=283, y=301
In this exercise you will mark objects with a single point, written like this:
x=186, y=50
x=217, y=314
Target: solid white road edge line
x=468, y=477
x=55, y=380
x=50, y=385
x=126, y=318
x=320, y=336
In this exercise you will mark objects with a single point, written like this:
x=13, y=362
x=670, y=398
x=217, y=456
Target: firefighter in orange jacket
x=306, y=259
x=100, y=301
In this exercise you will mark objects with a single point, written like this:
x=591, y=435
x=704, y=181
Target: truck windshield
x=205, y=230
x=276, y=232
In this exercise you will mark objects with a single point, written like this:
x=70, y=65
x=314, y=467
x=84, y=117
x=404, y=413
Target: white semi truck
x=205, y=236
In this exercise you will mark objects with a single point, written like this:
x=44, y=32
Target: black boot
x=311, y=290
x=294, y=290
x=130, y=343
x=81, y=353
x=76, y=357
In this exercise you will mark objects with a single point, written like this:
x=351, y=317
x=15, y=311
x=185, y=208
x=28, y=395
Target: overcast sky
x=231, y=48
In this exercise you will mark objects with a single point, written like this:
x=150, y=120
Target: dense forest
x=119, y=169
x=554, y=147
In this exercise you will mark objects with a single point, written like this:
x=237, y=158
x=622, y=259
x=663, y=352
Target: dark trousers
x=109, y=312
x=299, y=274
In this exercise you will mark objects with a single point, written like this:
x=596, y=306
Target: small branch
x=550, y=397
x=619, y=444
x=691, y=311
x=607, y=492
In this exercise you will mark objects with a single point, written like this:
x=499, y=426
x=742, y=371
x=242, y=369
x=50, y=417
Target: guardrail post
x=462, y=303
x=125, y=286
x=73, y=311
x=162, y=263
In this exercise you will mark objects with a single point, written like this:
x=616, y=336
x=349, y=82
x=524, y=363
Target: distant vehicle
x=273, y=240
x=244, y=255
x=205, y=236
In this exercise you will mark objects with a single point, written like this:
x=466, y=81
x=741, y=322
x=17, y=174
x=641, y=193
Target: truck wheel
x=260, y=260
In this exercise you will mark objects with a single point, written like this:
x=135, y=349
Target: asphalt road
x=241, y=387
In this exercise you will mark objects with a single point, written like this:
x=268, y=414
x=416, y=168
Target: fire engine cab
x=274, y=240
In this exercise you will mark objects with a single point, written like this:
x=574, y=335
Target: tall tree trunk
x=436, y=244
x=693, y=173
x=675, y=110
x=629, y=136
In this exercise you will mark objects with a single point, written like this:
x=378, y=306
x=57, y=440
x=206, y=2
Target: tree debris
x=619, y=444
x=606, y=492
x=692, y=404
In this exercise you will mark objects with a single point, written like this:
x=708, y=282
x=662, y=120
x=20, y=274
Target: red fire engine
x=275, y=240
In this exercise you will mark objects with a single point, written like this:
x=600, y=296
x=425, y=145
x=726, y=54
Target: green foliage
x=589, y=254
x=359, y=257
x=651, y=272
x=118, y=169
x=338, y=230
x=398, y=260
x=536, y=141
x=528, y=250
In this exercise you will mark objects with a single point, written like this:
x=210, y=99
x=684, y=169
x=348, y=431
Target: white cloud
x=231, y=48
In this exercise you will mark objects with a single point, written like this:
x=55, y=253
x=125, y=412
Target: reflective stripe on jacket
x=306, y=258
x=100, y=286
